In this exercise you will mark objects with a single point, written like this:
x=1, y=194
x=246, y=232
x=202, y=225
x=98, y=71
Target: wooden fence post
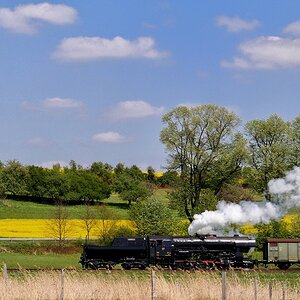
x=255, y=289
x=153, y=285
x=270, y=290
x=4, y=273
x=224, y=292
x=283, y=291
x=62, y=284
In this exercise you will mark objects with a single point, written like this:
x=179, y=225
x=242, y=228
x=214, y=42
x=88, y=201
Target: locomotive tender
x=170, y=252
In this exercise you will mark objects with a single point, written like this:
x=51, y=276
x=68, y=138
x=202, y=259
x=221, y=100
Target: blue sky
x=90, y=80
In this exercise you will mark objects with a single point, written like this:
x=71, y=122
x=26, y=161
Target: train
x=186, y=252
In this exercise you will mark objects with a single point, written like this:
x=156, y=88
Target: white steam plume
x=285, y=191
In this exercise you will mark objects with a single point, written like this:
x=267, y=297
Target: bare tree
x=88, y=218
x=58, y=224
x=107, y=223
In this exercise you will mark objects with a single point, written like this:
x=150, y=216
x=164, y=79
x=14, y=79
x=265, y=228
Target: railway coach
x=281, y=252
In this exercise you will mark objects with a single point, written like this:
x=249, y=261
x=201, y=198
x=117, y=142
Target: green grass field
x=40, y=261
x=11, y=209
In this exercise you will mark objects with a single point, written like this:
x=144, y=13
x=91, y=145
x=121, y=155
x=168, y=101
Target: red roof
x=276, y=240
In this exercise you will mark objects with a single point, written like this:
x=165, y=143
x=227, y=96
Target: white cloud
x=92, y=48
x=52, y=103
x=236, y=24
x=109, y=137
x=26, y=18
x=269, y=52
x=38, y=141
x=293, y=28
x=134, y=109
x=62, y=103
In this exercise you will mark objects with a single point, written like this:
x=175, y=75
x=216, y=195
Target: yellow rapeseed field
x=39, y=228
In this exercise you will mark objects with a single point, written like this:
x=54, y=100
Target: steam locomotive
x=172, y=252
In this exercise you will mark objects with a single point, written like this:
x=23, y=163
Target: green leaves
x=203, y=148
x=153, y=217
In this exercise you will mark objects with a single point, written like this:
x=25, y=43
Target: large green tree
x=130, y=184
x=153, y=217
x=85, y=185
x=13, y=178
x=50, y=183
x=204, y=147
x=131, y=188
x=294, y=143
x=269, y=150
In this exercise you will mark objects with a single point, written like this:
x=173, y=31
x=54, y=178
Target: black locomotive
x=170, y=252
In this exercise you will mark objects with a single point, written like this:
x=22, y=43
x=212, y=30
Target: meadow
x=31, y=220
x=138, y=285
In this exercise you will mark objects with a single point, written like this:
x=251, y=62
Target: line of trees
x=211, y=152
x=75, y=184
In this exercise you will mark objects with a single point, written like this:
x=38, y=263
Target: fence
x=255, y=289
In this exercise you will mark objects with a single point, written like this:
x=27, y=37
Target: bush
x=153, y=217
x=235, y=193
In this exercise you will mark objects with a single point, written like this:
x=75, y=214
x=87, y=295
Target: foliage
x=204, y=150
x=130, y=185
x=153, y=217
x=168, y=179
x=294, y=143
x=285, y=228
x=13, y=178
x=151, y=175
x=209, y=201
x=269, y=150
x=235, y=193
x=85, y=185
x=73, y=183
x=103, y=170
x=48, y=183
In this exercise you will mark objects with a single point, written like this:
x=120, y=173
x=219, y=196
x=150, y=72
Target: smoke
x=286, y=191
x=285, y=194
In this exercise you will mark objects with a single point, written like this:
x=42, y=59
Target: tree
x=153, y=217
x=131, y=188
x=119, y=169
x=269, y=150
x=294, y=145
x=14, y=177
x=106, y=224
x=204, y=149
x=275, y=229
x=168, y=179
x=58, y=225
x=50, y=183
x=104, y=171
x=151, y=175
x=85, y=185
x=89, y=218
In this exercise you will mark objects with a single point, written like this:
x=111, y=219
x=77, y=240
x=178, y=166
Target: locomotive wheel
x=142, y=267
x=283, y=266
x=126, y=266
x=108, y=267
